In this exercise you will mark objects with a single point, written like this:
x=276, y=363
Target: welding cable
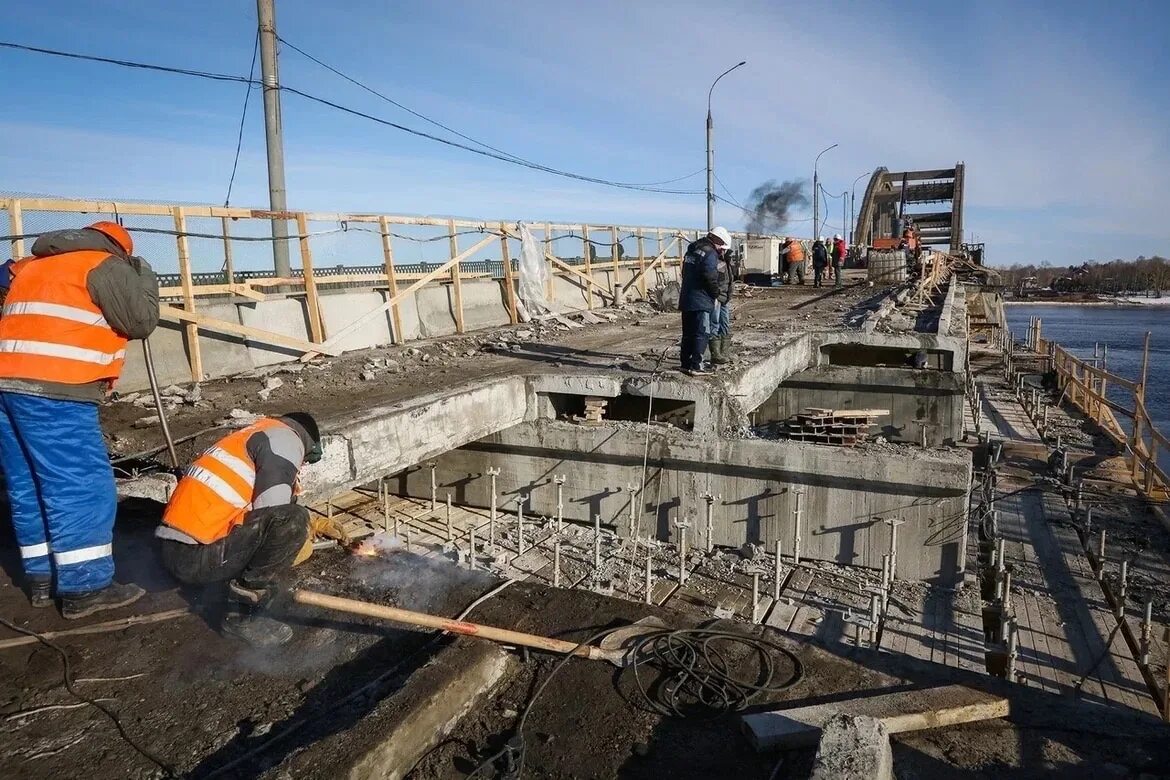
x=694, y=681
x=67, y=677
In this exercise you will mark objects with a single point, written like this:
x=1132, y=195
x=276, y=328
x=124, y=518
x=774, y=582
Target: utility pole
x=817, y=193
x=711, y=151
x=852, y=205
x=266, y=16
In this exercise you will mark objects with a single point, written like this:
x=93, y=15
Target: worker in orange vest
x=234, y=518
x=68, y=315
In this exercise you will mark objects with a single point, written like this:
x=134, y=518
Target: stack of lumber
x=842, y=427
x=594, y=409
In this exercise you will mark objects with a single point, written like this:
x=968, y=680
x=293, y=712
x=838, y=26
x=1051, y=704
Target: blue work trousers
x=721, y=320
x=61, y=490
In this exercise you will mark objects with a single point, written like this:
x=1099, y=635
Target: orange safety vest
x=795, y=252
x=51, y=329
x=216, y=491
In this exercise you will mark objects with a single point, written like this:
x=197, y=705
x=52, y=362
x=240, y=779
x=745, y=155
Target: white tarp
x=534, y=276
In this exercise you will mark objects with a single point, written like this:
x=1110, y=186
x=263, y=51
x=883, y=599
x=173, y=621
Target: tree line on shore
x=1142, y=275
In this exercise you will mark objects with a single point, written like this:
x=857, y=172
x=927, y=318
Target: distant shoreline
x=1153, y=302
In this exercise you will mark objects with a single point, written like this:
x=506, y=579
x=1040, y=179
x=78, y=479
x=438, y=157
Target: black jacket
x=700, y=277
x=820, y=256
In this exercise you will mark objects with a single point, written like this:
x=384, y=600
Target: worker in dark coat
x=820, y=261
x=698, y=296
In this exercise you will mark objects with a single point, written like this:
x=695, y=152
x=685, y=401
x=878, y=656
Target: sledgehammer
x=617, y=655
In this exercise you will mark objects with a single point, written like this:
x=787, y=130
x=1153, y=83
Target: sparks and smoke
x=771, y=203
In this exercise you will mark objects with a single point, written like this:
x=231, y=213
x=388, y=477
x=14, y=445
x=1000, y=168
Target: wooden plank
x=641, y=277
x=456, y=279
x=254, y=334
x=16, y=227
x=587, y=248
x=316, y=328
x=194, y=351
x=330, y=343
x=550, y=285
x=391, y=277
x=228, y=265
x=242, y=290
x=509, y=282
x=901, y=712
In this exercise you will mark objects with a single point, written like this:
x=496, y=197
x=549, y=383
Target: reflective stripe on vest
x=51, y=329
x=216, y=491
x=58, y=310
x=63, y=351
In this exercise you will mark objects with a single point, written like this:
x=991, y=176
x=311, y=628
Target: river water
x=1123, y=329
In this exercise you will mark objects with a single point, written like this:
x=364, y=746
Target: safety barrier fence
x=209, y=253
x=1085, y=385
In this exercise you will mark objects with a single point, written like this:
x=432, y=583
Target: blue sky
x=1061, y=110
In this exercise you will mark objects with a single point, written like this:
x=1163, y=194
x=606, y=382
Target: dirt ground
x=635, y=340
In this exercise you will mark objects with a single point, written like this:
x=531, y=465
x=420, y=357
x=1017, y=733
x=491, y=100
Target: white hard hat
x=836, y=236
x=721, y=235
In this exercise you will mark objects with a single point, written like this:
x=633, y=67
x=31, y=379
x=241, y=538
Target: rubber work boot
x=257, y=630
x=40, y=592
x=79, y=605
x=716, y=346
x=725, y=348
x=700, y=371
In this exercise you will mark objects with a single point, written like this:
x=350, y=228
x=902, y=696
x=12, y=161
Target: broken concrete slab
x=854, y=747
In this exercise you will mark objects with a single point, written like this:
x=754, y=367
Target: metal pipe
x=148, y=359
x=560, y=483
x=1101, y=551
x=450, y=528
x=710, y=499
x=649, y=575
x=778, y=579
x=597, y=546
x=434, y=487
x=1012, y=650
x=384, y=492
x=873, y=619
x=682, y=553
x=1123, y=587
x=557, y=563
x=471, y=548
x=796, y=538
x=1147, y=632
x=755, y=597
x=520, y=523
x=631, y=488
x=493, y=473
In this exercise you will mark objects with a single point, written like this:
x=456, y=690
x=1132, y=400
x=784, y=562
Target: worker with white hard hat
x=698, y=296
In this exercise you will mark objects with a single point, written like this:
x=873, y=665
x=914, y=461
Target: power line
x=243, y=115
x=337, y=106
x=129, y=64
x=725, y=189
x=481, y=152
x=453, y=131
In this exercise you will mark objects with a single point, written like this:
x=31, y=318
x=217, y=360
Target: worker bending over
x=234, y=518
x=697, y=297
x=69, y=312
x=792, y=261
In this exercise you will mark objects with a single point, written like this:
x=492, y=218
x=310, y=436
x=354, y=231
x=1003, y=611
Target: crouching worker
x=234, y=519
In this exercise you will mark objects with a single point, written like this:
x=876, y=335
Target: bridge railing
x=1086, y=386
x=207, y=255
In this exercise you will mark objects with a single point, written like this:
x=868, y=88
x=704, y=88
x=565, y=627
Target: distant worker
x=792, y=261
x=720, y=341
x=820, y=260
x=838, y=253
x=69, y=313
x=700, y=290
x=234, y=518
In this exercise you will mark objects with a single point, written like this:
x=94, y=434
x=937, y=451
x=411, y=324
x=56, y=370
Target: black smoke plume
x=771, y=203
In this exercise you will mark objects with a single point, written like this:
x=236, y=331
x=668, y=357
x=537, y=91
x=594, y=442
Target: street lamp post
x=711, y=151
x=816, y=192
x=852, y=203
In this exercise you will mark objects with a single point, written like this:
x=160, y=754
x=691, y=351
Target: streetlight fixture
x=816, y=192
x=711, y=151
x=852, y=203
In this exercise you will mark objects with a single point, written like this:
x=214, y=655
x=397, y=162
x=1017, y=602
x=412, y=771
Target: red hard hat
x=118, y=234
